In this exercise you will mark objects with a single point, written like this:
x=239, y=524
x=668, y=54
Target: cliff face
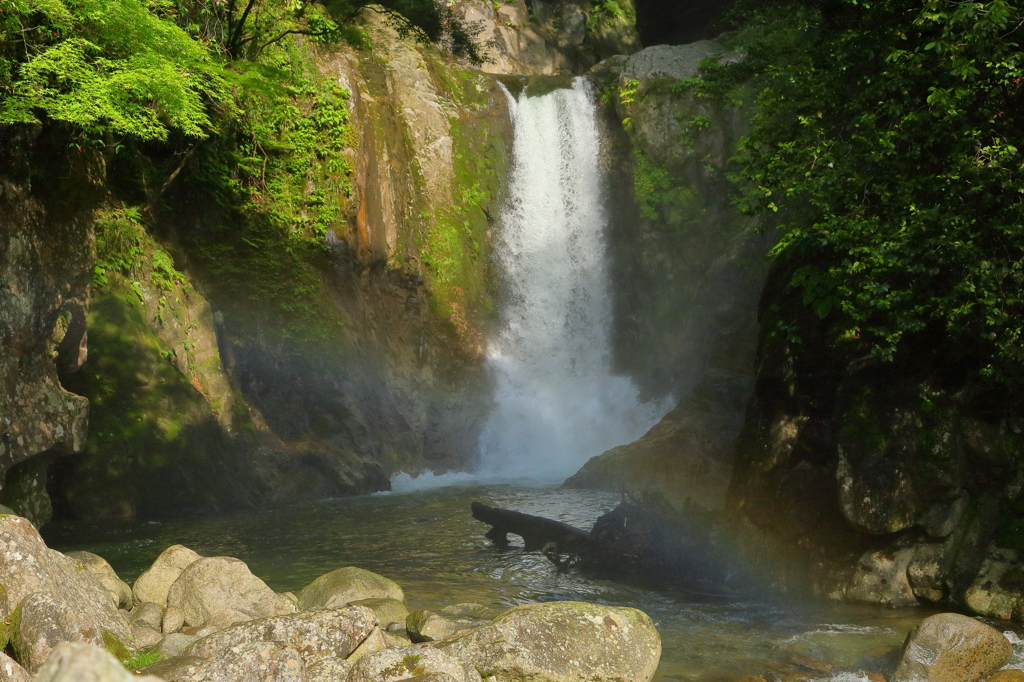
x=46, y=258
x=688, y=273
x=899, y=482
x=162, y=379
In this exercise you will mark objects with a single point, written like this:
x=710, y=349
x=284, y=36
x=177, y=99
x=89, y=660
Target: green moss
x=145, y=416
x=115, y=646
x=143, y=658
x=662, y=196
x=282, y=183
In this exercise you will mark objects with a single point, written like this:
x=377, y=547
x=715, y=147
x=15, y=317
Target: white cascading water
x=556, y=402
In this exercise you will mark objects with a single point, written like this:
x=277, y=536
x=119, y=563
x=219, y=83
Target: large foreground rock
x=86, y=663
x=333, y=633
x=949, y=647
x=68, y=603
x=219, y=592
x=254, y=662
x=564, y=642
x=10, y=671
x=345, y=585
x=392, y=665
x=154, y=584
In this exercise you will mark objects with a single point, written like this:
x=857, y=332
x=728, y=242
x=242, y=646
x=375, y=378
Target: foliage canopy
x=886, y=146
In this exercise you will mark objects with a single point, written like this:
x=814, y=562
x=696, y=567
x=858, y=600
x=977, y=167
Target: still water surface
x=427, y=541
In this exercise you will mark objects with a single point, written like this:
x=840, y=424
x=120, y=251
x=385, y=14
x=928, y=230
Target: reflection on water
x=427, y=541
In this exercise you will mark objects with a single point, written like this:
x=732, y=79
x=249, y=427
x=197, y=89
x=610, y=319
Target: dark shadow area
x=675, y=22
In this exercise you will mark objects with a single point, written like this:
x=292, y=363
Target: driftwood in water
x=639, y=541
x=537, y=532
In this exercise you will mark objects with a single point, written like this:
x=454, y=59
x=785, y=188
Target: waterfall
x=556, y=402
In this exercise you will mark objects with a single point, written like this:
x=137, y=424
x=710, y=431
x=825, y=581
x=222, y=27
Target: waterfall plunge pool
x=427, y=541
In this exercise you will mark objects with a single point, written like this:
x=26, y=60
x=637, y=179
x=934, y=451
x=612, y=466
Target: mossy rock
x=116, y=647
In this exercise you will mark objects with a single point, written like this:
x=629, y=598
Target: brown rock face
x=949, y=647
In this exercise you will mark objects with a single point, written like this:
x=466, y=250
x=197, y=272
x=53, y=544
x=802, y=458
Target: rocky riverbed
x=190, y=618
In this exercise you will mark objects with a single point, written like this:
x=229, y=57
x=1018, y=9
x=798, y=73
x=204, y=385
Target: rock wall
x=46, y=260
x=899, y=482
x=688, y=273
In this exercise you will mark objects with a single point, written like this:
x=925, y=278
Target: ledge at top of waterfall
x=557, y=402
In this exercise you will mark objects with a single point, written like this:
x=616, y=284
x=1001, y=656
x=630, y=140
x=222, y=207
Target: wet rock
x=949, y=647
x=28, y=566
x=10, y=671
x=416, y=661
x=270, y=661
x=98, y=566
x=427, y=626
x=147, y=614
x=174, y=618
x=328, y=670
x=470, y=611
x=174, y=643
x=346, y=585
x=1006, y=676
x=154, y=584
x=333, y=633
x=388, y=610
x=881, y=578
x=86, y=663
x=219, y=592
x=562, y=641
x=998, y=588
x=144, y=637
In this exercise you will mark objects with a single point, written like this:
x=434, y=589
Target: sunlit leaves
x=886, y=136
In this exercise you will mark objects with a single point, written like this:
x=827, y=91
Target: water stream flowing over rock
x=556, y=401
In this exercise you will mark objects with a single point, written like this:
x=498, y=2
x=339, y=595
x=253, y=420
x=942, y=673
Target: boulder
x=427, y=626
x=147, y=614
x=881, y=578
x=415, y=661
x=28, y=566
x=387, y=610
x=219, y=592
x=377, y=640
x=10, y=671
x=948, y=647
x=40, y=623
x=98, y=566
x=1006, y=676
x=254, y=661
x=470, y=611
x=174, y=643
x=562, y=641
x=75, y=662
x=331, y=670
x=174, y=618
x=333, y=633
x=175, y=669
x=154, y=584
x=144, y=637
x=346, y=585
x=999, y=586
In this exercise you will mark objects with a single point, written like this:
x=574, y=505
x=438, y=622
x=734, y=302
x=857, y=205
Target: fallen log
x=641, y=541
x=537, y=532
